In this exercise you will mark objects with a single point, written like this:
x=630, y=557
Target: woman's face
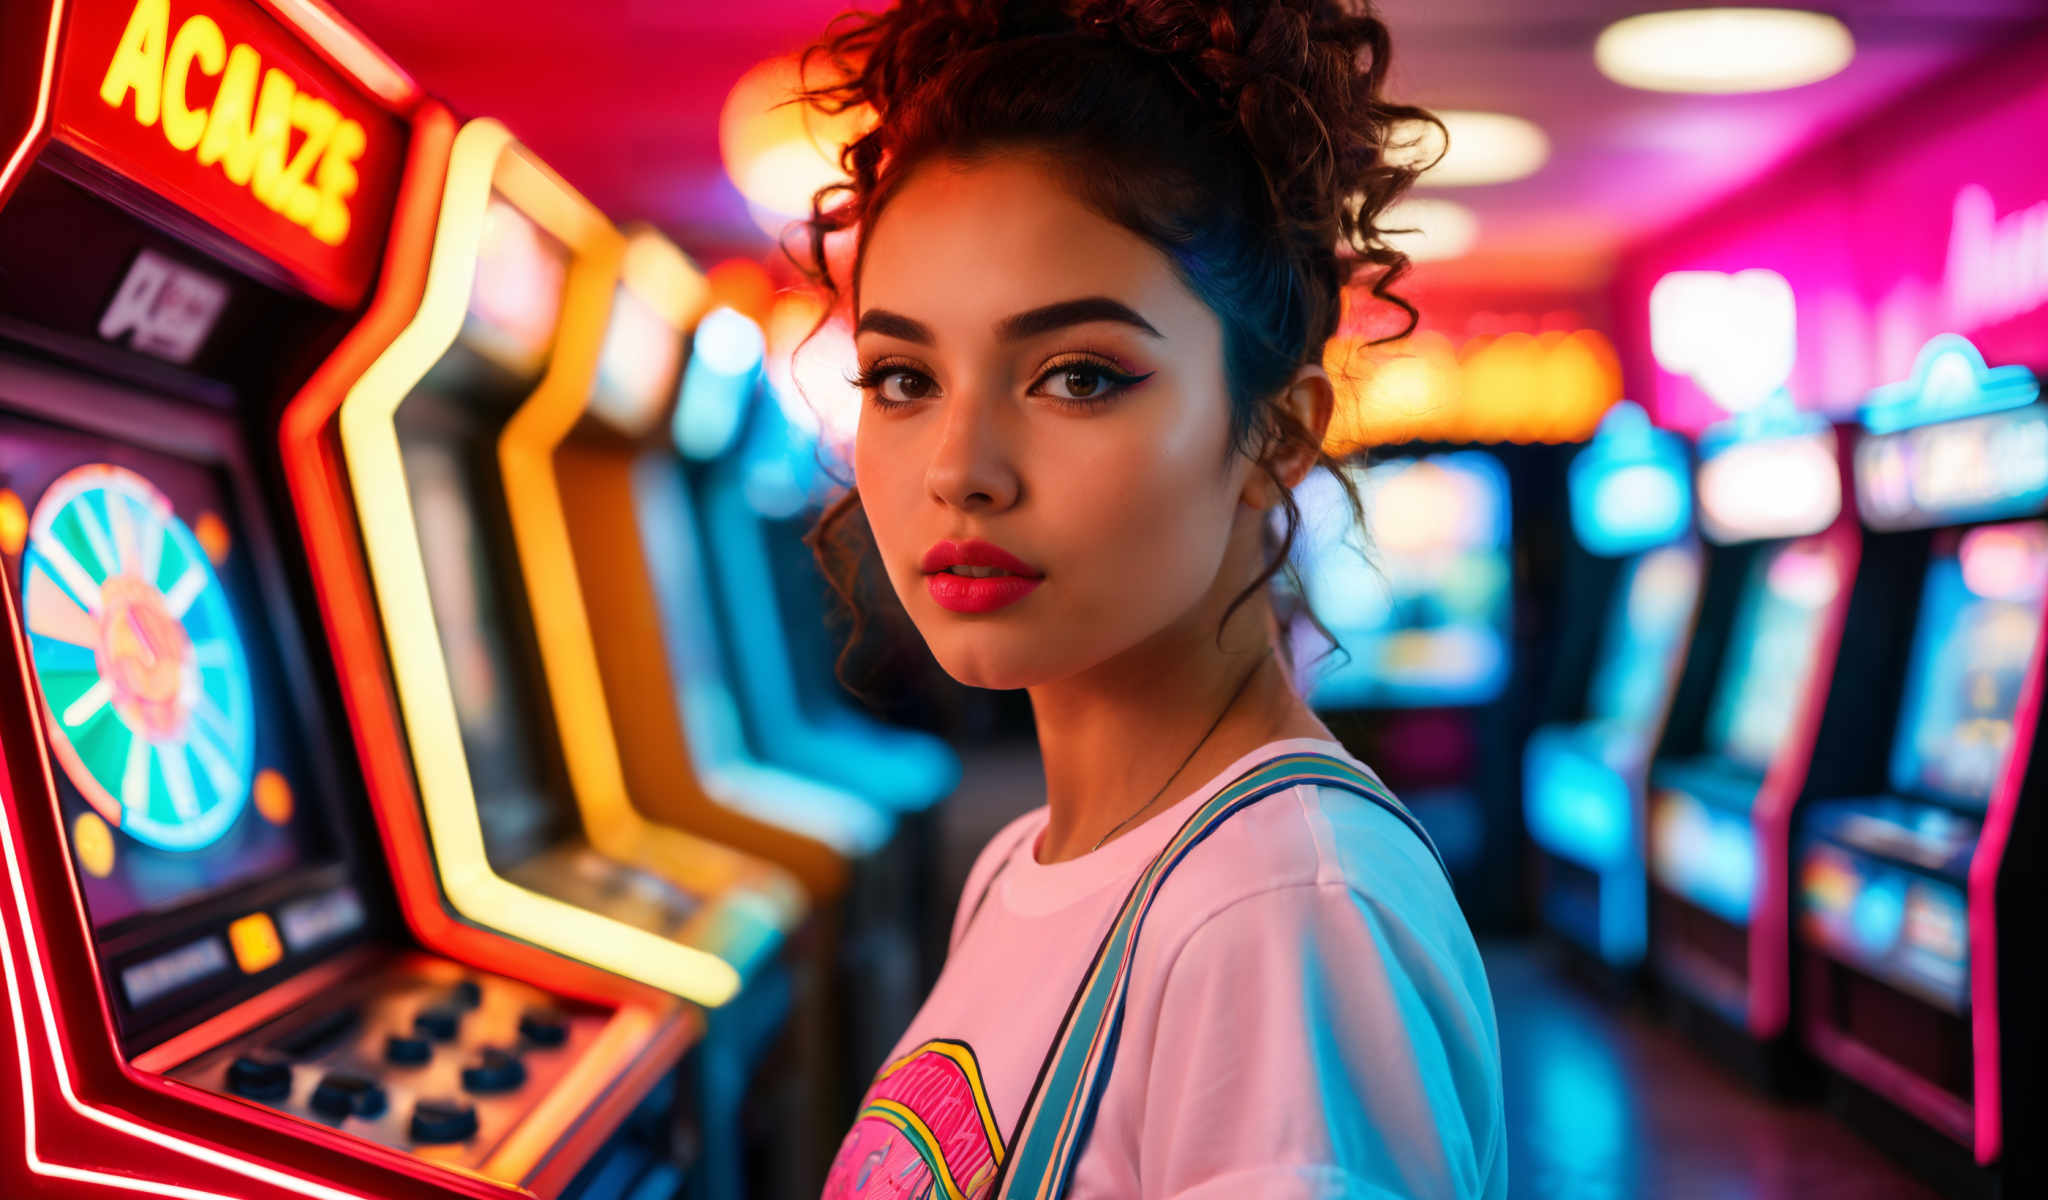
x=1039, y=380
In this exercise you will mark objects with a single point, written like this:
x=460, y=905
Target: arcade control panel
x=414, y=1053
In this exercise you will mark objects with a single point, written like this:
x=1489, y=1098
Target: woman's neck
x=1112, y=737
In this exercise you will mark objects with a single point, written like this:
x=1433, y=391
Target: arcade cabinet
x=531, y=830
x=735, y=678
x=1422, y=614
x=1585, y=775
x=214, y=987
x=1781, y=569
x=571, y=546
x=751, y=499
x=1919, y=899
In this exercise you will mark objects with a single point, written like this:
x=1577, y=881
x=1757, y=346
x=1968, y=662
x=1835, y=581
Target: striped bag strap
x=1057, y=1117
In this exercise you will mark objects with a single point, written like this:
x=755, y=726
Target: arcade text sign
x=218, y=108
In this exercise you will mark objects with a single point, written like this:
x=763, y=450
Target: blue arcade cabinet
x=757, y=704
x=750, y=492
x=1422, y=613
x=1586, y=774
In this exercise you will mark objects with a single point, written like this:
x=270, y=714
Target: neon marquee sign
x=1997, y=266
x=214, y=106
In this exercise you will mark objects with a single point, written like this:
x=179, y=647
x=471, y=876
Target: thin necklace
x=1247, y=682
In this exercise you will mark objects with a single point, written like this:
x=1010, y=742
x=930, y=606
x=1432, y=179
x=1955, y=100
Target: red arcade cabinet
x=213, y=988
x=1919, y=902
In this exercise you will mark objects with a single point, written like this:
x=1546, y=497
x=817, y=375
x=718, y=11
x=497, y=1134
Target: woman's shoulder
x=1314, y=838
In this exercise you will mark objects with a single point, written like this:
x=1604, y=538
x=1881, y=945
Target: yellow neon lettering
x=138, y=61
x=336, y=182
x=257, y=115
x=227, y=127
x=272, y=138
x=199, y=42
x=316, y=118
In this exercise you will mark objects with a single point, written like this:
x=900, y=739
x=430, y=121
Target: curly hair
x=1247, y=140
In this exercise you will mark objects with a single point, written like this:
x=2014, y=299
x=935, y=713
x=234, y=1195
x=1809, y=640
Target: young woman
x=1099, y=247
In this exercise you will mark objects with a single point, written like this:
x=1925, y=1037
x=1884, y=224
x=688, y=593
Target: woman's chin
x=1000, y=661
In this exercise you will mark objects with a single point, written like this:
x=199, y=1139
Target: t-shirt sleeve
x=1312, y=1043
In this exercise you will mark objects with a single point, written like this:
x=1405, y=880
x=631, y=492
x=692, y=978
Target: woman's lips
x=966, y=594
x=976, y=592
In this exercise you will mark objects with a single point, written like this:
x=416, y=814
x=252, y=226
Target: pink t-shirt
x=1307, y=1017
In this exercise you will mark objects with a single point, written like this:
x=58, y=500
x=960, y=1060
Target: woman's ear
x=1308, y=404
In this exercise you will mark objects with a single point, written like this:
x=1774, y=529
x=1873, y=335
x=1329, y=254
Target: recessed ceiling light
x=1723, y=49
x=1485, y=147
x=1441, y=228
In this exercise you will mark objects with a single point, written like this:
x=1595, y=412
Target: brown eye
x=1086, y=384
x=1083, y=383
x=910, y=386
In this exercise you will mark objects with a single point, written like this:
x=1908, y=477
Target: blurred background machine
x=1918, y=881
x=425, y=759
x=1636, y=580
x=1740, y=745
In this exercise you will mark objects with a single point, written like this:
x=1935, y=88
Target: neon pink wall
x=1864, y=226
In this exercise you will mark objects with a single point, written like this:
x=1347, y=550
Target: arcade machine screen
x=1427, y=623
x=1771, y=653
x=1652, y=614
x=1979, y=619
x=180, y=775
x=489, y=698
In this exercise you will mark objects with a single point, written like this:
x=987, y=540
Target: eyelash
x=871, y=378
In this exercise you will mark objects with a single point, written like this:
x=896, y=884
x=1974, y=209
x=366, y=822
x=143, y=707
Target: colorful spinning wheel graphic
x=145, y=682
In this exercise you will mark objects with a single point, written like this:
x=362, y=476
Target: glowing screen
x=1425, y=620
x=1771, y=651
x=176, y=765
x=1895, y=923
x=1652, y=615
x=468, y=601
x=1980, y=615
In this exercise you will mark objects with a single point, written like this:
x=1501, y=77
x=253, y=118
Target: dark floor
x=1604, y=1102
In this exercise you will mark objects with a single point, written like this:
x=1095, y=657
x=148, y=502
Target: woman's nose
x=971, y=467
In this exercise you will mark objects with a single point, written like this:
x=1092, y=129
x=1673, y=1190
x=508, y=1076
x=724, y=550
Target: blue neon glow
x=794, y=713
x=1879, y=914
x=728, y=342
x=1771, y=653
x=725, y=358
x=1970, y=657
x=1427, y=622
x=1950, y=379
x=1777, y=417
x=1581, y=782
x=1705, y=853
x=731, y=771
x=1579, y=805
x=1631, y=487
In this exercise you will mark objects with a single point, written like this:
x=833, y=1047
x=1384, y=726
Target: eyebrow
x=1029, y=323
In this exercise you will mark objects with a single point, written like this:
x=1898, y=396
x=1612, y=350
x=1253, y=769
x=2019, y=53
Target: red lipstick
x=989, y=578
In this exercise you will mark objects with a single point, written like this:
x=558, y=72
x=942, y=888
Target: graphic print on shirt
x=924, y=1130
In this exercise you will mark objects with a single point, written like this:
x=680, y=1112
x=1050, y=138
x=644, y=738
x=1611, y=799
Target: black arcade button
x=439, y=1022
x=468, y=993
x=341, y=1095
x=443, y=1121
x=260, y=1077
x=406, y=1050
x=494, y=1070
x=544, y=1026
